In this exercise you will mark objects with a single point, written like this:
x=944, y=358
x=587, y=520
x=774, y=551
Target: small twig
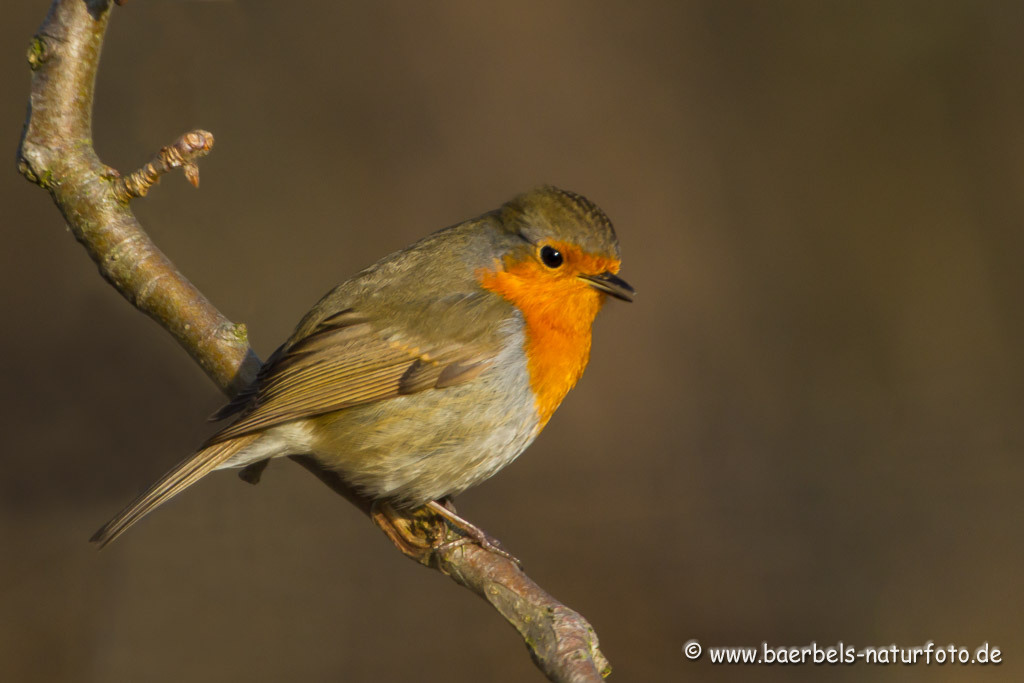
x=183, y=153
x=56, y=154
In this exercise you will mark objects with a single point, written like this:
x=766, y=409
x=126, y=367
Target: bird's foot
x=472, y=533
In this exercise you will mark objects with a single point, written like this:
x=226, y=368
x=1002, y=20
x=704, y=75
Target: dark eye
x=551, y=257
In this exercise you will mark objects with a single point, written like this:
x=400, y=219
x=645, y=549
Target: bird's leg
x=471, y=531
x=411, y=530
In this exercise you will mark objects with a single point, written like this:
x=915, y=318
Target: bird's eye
x=551, y=257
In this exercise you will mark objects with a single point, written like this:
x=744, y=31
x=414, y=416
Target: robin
x=431, y=370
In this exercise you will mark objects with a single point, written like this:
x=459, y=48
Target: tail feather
x=171, y=484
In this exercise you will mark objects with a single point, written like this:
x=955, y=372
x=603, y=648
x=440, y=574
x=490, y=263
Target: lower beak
x=610, y=284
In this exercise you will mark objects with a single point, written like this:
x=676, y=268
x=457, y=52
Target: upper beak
x=611, y=284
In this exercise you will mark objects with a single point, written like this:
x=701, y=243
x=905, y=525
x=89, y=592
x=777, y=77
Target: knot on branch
x=27, y=168
x=184, y=153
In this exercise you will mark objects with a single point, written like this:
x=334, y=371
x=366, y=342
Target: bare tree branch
x=56, y=153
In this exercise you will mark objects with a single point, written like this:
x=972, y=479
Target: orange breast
x=559, y=311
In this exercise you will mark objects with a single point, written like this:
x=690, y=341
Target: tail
x=171, y=484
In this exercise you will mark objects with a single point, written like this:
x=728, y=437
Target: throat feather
x=559, y=314
x=557, y=355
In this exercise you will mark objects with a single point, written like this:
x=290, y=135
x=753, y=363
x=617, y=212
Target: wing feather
x=346, y=361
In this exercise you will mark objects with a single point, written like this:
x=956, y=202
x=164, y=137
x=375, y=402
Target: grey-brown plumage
x=410, y=379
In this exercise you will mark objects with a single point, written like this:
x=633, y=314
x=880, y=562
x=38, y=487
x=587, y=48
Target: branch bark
x=56, y=153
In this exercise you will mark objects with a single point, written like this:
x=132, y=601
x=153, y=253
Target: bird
x=431, y=370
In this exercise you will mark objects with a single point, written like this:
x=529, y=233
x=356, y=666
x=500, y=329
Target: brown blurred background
x=807, y=427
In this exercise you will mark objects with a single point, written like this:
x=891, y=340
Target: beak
x=610, y=284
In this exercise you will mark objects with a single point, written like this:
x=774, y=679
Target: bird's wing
x=347, y=360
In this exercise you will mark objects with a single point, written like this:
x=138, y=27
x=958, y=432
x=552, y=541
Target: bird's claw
x=470, y=533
